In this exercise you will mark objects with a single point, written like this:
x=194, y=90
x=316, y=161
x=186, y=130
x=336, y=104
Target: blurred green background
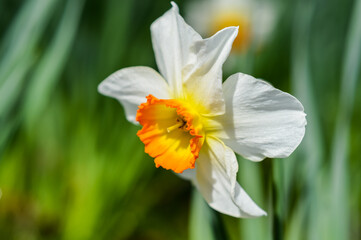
x=72, y=167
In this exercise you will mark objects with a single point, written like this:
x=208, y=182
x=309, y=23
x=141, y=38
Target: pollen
x=172, y=132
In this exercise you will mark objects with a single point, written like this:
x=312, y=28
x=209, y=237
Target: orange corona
x=172, y=132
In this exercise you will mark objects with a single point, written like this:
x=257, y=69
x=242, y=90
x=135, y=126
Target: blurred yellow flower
x=192, y=124
x=230, y=17
x=255, y=18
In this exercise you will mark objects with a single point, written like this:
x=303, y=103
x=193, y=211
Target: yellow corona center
x=172, y=133
x=228, y=18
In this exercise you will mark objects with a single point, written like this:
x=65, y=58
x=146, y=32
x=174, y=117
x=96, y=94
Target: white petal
x=203, y=78
x=260, y=121
x=189, y=174
x=172, y=39
x=216, y=180
x=131, y=85
x=192, y=66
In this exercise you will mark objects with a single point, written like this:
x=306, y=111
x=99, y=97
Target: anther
x=175, y=126
x=180, y=123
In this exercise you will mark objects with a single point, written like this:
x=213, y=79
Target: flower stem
x=277, y=220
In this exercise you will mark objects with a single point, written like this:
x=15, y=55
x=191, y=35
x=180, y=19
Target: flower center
x=231, y=17
x=172, y=132
x=179, y=125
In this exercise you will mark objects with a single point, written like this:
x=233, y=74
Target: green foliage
x=72, y=167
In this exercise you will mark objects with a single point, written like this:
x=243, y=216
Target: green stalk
x=205, y=223
x=341, y=140
x=251, y=179
x=24, y=34
x=114, y=36
x=18, y=56
x=200, y=215
x=312, y=148
x=276, y=185
x=52, y=63
x=11, y=89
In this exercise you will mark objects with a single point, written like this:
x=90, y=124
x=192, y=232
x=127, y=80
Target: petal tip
x=263, y=214
x=174, y=6
x=257, y=212
x=102, y=88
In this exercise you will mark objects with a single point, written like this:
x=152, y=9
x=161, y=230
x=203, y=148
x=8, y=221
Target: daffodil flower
x=192, y=124
x=255, y=18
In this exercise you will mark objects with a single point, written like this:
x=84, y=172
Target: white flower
x=255, y=18
x=192, y=124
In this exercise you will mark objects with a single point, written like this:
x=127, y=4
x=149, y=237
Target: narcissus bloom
x=192, y=124
x=255, y=18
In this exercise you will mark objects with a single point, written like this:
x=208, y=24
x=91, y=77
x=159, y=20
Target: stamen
x=175, y=126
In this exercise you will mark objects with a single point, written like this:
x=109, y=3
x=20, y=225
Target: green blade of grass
x=114, y=34
x=24, y=34
x=52, y=63
x=200, y=224
x=312, y=148
x=18, y=53
x=341, y=139
x=251, y=179
x=11, y=89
